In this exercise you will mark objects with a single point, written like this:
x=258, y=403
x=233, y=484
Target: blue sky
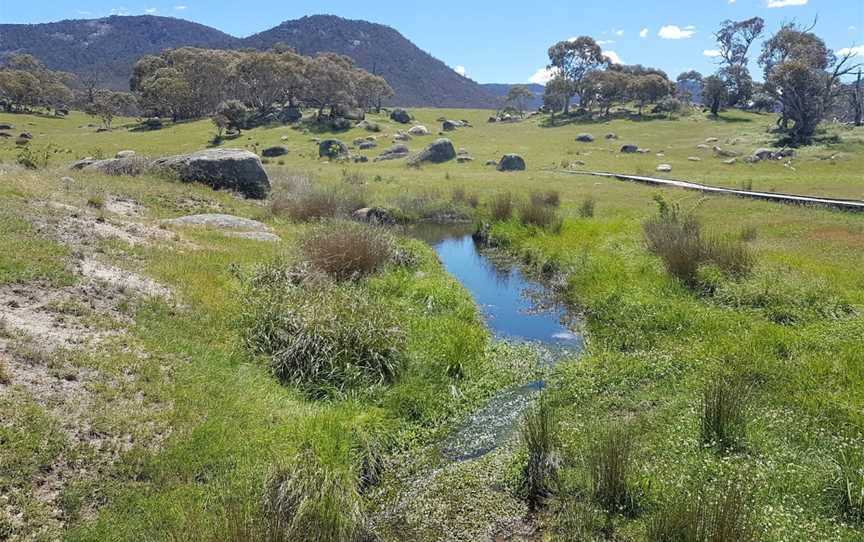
x=503, y=40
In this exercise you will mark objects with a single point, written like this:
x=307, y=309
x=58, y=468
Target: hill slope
x=107, y=47
x=417, y=77
x=111, y=46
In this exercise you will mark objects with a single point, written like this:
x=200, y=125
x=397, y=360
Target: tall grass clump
x=348, y=251
x=677, y=239
x=846, y=488
x=550, y=198
x=539, y=433
x=296, y=197
x=610, y=462
x=305, y=501
x=501, y=207
x=322, y=337
x=716, y=514
x=541, y=215
x=723, y=416
x=586, y=209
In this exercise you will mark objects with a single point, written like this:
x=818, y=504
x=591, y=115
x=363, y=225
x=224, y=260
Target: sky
x=502, y=41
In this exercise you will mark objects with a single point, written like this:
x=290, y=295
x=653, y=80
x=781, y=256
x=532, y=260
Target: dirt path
x=839, y=204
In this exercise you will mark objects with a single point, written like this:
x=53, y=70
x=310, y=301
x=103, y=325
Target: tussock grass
x=677, y=239
x=296, y=197
x=723, y=414
x=714, y=514
x=323, y=338
x=846, y=489
x=501, y=206
x=586, y=208
x=539, y=433
x=576, y=521
x=305, y=501
x=460, y=196
x=348, y=251
x=550, y=198
x=610, y=465
x=540, y=215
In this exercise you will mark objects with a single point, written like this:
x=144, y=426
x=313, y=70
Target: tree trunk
x=859, y=103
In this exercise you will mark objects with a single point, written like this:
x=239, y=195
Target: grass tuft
x=723, y=421
x=586, y=209
x=539, y=432
x=610, y=462
x=540, y=215
x=348, y=251
x=722, y=514
x=501, y=206
x=846, y=489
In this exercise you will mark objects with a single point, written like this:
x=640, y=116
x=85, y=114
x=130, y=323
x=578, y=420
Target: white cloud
x=853, y=28
x=460, y=70
x=618, y=32
x=786, y=3
x=119, y=11
x=605, y=42
x=711, y=53
x=180, y=8
x=854, y=51
x=543, y=76
x=613, y=57
x=643, y=33
x=151, y=11
x=674, y=32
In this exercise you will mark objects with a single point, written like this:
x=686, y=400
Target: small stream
x=515, y=309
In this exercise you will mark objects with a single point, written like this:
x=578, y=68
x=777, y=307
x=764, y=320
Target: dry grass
x=348, y=251
x=501, y=206
x=538, y=214
x=296, y=197
x=550, y=198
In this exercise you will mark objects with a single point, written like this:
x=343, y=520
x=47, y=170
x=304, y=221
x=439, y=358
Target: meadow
x=737, y=391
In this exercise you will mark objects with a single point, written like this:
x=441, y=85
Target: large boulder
x=332, y=148
x=511, y=162
x=629, y=149
x=124, y=154
x=366, y=145
x=5, y=126
x=419, y=131
x=394, y=153
x=229, y=169
x=440, y=151
x=121, y=166
x=664, y=168
x=585, y=138
x=274, y=151
x=450, y=125
x=763, y=154
x=400, y=115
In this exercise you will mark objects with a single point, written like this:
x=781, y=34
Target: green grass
x=789, y=329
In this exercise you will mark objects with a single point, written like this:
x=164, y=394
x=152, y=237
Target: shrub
x=723, y=414
x=539, y=432
x=540, y=215
x=586, y=210
x=348, y=251
x=721, y=514
x=306, y=502
x=501, y=206
x=322, y=338
x=609, y=463
x=846, y=489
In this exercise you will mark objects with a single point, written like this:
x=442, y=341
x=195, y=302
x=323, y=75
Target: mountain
x=107, y=47
x=500, y=91
x=110, y=47
x=418, y=78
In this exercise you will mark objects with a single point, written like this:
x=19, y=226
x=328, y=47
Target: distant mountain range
x=501, y=90
x=109, y=48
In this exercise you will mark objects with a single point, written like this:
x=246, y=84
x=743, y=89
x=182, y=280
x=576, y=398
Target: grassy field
x=164, y=426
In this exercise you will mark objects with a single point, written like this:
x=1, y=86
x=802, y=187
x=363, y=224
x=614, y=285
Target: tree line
x=802, y=79
x=190, y=83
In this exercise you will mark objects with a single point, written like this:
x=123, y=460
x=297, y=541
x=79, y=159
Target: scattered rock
x=491, y=163
x=275, y=151
x=711, y=140
x=585, y=138
x=763, y=154
x=464, y=158
x=394, y=153
x=229, y=169
x=402, y=136
x=263, y=236
x=400, y=115
x=366, y=145
x=441, y=150
x=370, y=126
x=511, y=162
x=153, y=123
x=703, y=146
x=219, y=222
x=283, y=138
x=5, y=126
x=332, y=148
x=629, y=149
x=22, y=141
x=722, y=153
x=694, y=158
x=125, y=154
x=450, y=125
x=419, y=131
x=643, y=151
x=664, y=168
x=25, y=135
x=359, y=158
x=730, y=162
x=611, y=136
x=5, y=135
